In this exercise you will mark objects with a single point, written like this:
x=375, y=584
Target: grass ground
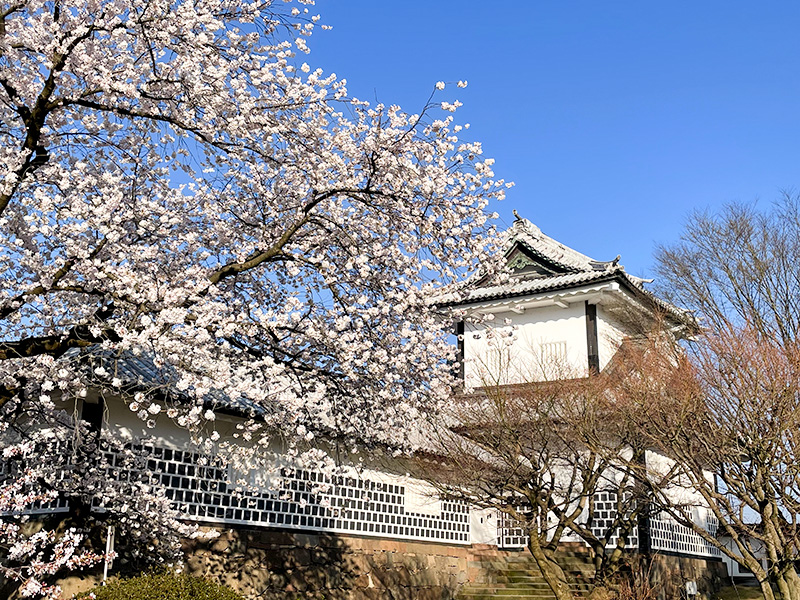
x=739, y=593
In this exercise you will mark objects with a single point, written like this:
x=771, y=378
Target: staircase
x=519, y=578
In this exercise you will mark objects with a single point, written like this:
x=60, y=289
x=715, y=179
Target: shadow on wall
x=269, y=564
x=670, y=574
x=282, y=565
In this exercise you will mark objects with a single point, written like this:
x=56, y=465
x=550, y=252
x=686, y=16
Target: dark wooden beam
x=592, y=345
x=460, y=341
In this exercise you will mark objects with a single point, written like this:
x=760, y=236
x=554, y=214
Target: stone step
x=535, y=572
x=490, y=596
x=501, y=591
x=532, y=582
x=505, y=594
x=526, y=558
x=518, y=577
x=489, y=593
x=519, y=588
x=573, y=568
x=534, y=578
x=505, y=588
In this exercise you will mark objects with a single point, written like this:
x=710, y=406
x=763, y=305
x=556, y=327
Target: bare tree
x=732, y=405
x=739, y=267
x=541, y=454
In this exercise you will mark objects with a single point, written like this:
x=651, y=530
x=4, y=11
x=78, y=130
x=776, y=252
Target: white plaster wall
x=483, y=523
x=610, y=333
x=734, y=569
x=119, y=420
x=122, y=422
x=513, y=354
x=679, y=493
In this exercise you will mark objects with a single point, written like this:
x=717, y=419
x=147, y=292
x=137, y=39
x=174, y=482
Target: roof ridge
x=526, y=232
x=580, y=270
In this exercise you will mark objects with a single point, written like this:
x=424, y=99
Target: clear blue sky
x=614, y=119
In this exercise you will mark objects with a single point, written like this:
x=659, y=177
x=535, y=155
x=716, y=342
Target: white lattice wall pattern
x=510, y=533
x=667, y=535
x=604, y=518
x=303, y=499
x=372, y=504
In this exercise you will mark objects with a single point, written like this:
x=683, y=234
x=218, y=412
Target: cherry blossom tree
x=176, y=183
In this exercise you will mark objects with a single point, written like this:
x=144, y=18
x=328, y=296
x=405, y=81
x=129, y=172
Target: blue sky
x=614, y=119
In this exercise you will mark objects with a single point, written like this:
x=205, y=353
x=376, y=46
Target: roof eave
x=568, y=292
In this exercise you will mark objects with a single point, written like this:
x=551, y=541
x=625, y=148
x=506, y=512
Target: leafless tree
x=541, y=453
x=732, y=406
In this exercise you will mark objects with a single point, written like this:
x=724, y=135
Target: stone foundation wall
x=271, y=564
x=669, y=574
x=283, y=565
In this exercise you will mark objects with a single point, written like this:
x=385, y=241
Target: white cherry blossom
x=174, y=186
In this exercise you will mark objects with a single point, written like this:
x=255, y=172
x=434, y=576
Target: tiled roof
x=139, y=371
x=573, y=270
x=528, y=234
x=524, y=287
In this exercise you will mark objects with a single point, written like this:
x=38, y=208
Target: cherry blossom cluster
x=43, y=554
x=175, y=186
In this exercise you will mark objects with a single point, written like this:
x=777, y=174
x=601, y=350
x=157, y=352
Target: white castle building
x=565, y=308
x=559, y=313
